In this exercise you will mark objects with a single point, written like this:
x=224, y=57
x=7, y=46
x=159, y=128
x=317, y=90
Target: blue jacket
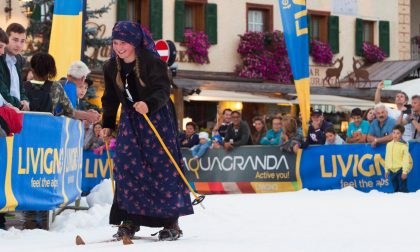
x=200, y=149
x=272, y=138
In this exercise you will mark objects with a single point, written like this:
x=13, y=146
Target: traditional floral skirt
x=149, y=190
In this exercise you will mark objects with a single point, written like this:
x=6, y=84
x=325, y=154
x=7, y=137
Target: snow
x=340, y=220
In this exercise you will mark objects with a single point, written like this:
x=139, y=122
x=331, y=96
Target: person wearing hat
x=358, y=128
x=317, y=128
x=201, y=148
x=217, y=142
x=149, y=190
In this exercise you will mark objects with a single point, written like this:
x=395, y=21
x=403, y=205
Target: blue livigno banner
x=95, y=169
x=357, y=165
x=41, y=168
x=296, y=34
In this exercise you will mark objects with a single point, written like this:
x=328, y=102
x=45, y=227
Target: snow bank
x=340, y=220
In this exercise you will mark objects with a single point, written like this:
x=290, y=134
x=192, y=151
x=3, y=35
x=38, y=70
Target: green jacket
x=5, y=81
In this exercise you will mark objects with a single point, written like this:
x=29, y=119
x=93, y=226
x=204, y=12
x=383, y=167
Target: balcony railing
x=415, y=48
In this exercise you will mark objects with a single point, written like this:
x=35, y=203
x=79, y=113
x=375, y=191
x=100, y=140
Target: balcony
x=415, y=47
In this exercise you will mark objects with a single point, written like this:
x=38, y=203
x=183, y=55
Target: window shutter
x=333, y=34
x=211, y=22
x=384, y=36
x=121, y=10
x=179, y=20
x=359, y=36
x=155, y=8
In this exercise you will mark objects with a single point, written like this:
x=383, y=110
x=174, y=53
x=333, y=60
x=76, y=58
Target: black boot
x=170, y=233
x=126, y=229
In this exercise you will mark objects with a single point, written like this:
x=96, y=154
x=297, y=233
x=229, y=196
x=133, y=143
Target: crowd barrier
x=41, y=168
x=258, y=169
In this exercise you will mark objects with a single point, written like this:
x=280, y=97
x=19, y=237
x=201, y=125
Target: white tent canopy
x=341, y=103
x=411, y=87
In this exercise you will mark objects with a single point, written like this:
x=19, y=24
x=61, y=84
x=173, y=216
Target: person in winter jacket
x=200, y=149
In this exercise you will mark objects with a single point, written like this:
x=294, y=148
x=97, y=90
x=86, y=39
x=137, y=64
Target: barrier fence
x=42, y=168
x=259, y=169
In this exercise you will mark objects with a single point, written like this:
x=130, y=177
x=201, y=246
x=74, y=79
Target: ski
x=125, y=240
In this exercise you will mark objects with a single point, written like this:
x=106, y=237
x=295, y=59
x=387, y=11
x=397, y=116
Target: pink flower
x=372, y=53
x=264, y=56
x=321, y=52
x=197, y=44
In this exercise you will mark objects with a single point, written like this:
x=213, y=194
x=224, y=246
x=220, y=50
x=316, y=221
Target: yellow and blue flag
x=295, y=26
x=66, y=34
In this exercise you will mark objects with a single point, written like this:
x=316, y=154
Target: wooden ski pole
x=197, y=198
x=111, y=165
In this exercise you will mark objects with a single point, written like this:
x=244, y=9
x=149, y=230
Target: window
x=138, y=11
x=318, y=25
x=146, y=12
x=256, y=20
x=365, y=33
x=259, y=17
x=194, y=16
x=368, y=27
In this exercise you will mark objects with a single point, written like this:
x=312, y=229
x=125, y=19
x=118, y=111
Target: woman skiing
x=149, y=191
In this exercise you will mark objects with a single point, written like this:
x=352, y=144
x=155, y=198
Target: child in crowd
x=358, y=128
x=200, y=149
x=398, y=161
x=331, y=137
x=217, y=142
x=82, y=89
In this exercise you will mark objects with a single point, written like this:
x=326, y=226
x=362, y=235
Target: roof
x=397, y=71
x=341, y=103
x=280, y=90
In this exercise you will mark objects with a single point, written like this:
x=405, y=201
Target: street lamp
x=27, y=7
x=8, y=9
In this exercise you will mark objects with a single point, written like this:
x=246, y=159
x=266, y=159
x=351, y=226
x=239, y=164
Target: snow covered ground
x=341, y=220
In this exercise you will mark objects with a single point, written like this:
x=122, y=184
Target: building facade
x=344, y=24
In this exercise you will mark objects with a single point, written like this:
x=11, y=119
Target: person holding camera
x=401, y=100
x=412, y=117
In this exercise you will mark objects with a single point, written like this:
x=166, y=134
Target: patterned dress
x=148, y=185
x=149, y=190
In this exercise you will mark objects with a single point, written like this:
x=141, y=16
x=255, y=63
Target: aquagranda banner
x=259, y=169
x=40, y=168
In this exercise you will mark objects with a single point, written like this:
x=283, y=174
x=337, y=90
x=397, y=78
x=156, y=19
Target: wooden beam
x=179, y=106
x=358, y=93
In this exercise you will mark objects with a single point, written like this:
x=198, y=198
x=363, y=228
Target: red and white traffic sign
x=163, y=49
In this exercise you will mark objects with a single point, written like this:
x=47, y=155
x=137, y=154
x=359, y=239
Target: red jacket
x=13, y=120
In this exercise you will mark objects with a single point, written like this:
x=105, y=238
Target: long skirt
x=149, y=190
